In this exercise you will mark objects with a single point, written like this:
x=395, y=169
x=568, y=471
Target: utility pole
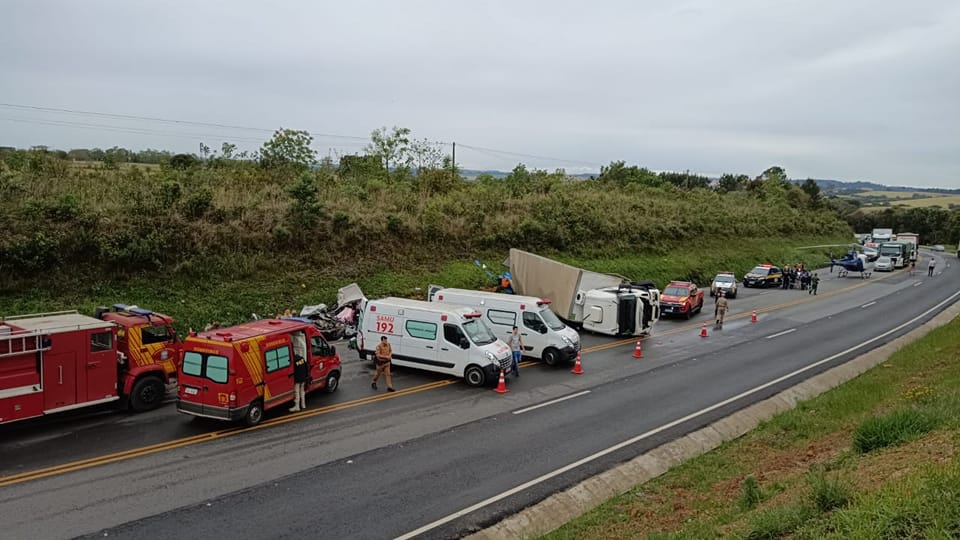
x=453, y=160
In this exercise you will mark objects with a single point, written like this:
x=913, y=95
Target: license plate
x=190, y=391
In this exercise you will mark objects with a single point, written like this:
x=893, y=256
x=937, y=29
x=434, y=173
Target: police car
x=762, y=276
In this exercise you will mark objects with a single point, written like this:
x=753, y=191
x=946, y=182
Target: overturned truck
x=601, y=303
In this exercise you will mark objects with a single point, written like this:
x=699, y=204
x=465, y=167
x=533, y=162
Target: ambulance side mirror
x=464, y=344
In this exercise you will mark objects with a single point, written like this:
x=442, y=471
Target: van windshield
x=552, y=320
x=479, y=332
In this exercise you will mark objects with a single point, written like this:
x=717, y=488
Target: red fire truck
x=52, y=362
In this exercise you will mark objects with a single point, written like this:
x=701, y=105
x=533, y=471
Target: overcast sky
x=855, y=90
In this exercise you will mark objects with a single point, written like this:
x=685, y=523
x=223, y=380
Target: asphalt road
x=390, y=465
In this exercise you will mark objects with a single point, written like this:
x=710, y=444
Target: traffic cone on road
x=502, y=385
x=577, y=370
x=703, y=330
x=638, y=350
x=753, y=316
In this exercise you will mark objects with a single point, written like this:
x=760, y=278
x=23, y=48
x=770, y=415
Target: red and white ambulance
x=237, y=373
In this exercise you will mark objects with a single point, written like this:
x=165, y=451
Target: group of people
x=797, y=276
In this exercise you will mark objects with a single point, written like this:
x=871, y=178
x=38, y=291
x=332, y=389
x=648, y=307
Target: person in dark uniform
x=301, y=375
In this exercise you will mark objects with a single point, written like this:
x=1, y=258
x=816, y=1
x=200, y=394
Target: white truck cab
x=543, y=333
x=434, y=337
x=627, y=310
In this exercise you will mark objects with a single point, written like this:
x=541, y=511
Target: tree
x=618, y=173
x=288, y=147
x=729, y=182
x=227, y=150
x=812, y=189
x=425, y=155
x=392, y=147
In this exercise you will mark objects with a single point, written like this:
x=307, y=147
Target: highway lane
x=406, y=429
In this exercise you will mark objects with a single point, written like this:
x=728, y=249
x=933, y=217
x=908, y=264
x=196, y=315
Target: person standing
x=301, y=375
x=383, y=354
x=516, y=347
x=721, y=309
x=814, y=283
x=933, y=262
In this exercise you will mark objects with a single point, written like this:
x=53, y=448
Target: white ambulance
x=433, y=337
x=543, y=334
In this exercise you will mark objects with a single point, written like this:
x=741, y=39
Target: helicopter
x=853, y=262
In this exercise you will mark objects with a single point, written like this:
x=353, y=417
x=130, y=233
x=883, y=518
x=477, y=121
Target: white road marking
x=917, y=284
x=782, y=333
x=558, y=400
x=619, y=446
x=868, y=304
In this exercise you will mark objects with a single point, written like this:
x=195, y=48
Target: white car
x=938, y=247
x=883, y=264
x=726, y=282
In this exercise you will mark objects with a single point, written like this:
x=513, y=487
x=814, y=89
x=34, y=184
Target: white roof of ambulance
x=422, y=304
x=494, y=295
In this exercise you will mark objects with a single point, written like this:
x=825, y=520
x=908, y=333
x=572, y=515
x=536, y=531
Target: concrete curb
x=559, y=508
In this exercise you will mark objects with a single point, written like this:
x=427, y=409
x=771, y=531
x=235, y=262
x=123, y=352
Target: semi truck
x=897, y=251
x=913, y=244
x=600, y=303
x=881, y=235
x=59, y=361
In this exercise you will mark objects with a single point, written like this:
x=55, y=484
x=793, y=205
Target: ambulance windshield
x=479, y=332
x=552, y=320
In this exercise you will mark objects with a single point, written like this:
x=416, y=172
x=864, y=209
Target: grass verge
x=874, y=458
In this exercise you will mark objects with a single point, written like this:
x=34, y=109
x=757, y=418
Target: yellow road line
x=204, y=437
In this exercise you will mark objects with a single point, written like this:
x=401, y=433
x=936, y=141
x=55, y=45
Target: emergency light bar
x=544, y=302
x=141, y=311
x=474, y=315
x=119, y=307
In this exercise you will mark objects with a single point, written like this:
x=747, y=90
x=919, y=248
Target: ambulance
x=445, y=339
x=239, y=372
x=543, y=334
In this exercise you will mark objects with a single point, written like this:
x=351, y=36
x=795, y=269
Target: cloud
x=855, y=89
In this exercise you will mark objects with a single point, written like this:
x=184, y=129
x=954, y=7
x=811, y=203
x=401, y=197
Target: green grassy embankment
x=878, y=457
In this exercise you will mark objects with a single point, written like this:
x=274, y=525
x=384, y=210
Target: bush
x=827, y=492
x=778, y=522
x=198, y=203
x=750, y=493
x=900, y=426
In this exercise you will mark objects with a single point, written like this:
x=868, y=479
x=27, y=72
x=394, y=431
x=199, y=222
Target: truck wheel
x=551, y=356
x=474, y=376
x=254, y=414
x=333, y=382
x=147, y=394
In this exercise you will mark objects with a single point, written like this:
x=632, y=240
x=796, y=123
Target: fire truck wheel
x=147, y=394
x=254, y=414
x=333, y=382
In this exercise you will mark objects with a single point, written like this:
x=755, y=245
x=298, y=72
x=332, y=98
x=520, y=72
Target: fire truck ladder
x=18, y=343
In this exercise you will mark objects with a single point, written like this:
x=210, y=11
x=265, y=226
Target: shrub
x=750, y=493
x=827, y=492
x=899, y=426
x=198, y=203
x=778, y=522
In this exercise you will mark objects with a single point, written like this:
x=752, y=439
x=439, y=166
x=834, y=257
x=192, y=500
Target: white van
x=444, y=339
x=544, y=335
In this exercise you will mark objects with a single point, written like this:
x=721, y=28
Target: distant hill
x=840, y=187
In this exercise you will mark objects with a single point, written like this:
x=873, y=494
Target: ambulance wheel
x=551, y=356
x=254, y=414
x=147, y=394
x=474, y=376
x=333, y=382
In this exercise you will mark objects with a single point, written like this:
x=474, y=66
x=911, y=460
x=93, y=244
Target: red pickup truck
x=681, y=298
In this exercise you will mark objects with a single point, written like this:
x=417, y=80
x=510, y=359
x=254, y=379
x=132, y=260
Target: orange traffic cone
x=577, y=370
x=703, y=330
x=502, y=385
x=753, y=317
x=638, y=351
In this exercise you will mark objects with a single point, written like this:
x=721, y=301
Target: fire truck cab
x=149, y=349
x=53, y=362
x=237, y=373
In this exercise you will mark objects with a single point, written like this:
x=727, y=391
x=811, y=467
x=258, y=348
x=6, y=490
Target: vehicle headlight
x=490, y=356
x=567, y=340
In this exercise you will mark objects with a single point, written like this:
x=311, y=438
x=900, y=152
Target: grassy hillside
x=220, y=239
x=878, y=457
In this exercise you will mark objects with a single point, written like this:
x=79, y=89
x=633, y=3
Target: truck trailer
x=600, y=303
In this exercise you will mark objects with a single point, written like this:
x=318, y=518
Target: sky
x=852, y=90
